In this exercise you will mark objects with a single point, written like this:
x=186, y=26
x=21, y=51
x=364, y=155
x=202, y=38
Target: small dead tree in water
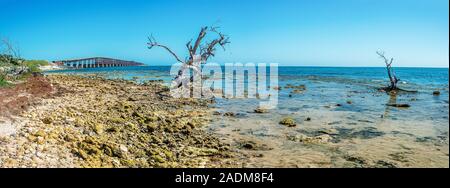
x=392, y=88
x=391, y=74
x=199, y=50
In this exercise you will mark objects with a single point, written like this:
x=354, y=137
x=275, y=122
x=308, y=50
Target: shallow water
x=363, y=131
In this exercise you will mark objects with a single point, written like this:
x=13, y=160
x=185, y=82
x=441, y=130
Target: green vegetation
x=33, y=65
x=3, y=82
x=12, y=69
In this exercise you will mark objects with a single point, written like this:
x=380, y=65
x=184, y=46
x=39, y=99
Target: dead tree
x=391, y=74
x=199, y=50
x=11, y=63
x=9, y=54
x=393, y=79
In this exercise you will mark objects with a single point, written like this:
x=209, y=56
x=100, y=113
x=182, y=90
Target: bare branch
x=392, y=78
x=9, y=53
x=152, y=43
x=200, y=37
x=199, y=48
x=189, y=47
x=210, y=48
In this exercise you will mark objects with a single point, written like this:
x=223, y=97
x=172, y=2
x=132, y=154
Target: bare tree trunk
x=392, y=78
x=198, y=54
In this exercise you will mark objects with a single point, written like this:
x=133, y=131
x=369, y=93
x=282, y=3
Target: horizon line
x=333, y=66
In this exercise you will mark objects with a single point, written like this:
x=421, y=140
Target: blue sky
x=289, y=32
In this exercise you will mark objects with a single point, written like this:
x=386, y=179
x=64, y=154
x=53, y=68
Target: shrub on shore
x=33, y=65
x=10, y=72
x=3, y=82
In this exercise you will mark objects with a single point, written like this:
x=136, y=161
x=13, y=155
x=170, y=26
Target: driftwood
x=199, y=50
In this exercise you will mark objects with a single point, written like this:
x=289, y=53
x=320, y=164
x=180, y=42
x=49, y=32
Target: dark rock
x=229, y=114
x=261, y=110
x=385, y=164
x=365, y=121
x=131, y=98
x=399, y=105
x=436, y=93
x=251, y=145
x=259, y=155
x=248, y=146
x=359, y=162
x=365, y=133
x=328, y=131
x=334, y=123
x=47, y=120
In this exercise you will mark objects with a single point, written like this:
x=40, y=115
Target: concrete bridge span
x=96, y=62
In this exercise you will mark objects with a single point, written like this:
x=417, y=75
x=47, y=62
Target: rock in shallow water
x=399, y=105
x=288, y=121
x=321, y=139
x=261, y=110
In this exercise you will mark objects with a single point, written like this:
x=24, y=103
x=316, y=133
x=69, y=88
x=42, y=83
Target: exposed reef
x=95, y=122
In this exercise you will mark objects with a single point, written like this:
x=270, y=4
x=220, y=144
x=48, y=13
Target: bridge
x=96, y=62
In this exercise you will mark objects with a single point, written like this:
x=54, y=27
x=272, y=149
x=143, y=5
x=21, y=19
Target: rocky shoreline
x=94, y=122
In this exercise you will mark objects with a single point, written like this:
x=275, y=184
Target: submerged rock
x=299, y=87
x=296, y=89
x=229, y=114
x=252, y=145
x=321, y=139
x=261, y=110
x=399, y=105
x=248, y=146
x=329, y=131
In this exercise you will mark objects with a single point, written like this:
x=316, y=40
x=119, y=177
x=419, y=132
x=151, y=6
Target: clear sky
x=289, y=32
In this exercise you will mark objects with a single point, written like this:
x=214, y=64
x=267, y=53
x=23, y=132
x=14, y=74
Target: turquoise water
x=337, y=98
x=327, y=86
x=320, y=81
x=420, y=77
